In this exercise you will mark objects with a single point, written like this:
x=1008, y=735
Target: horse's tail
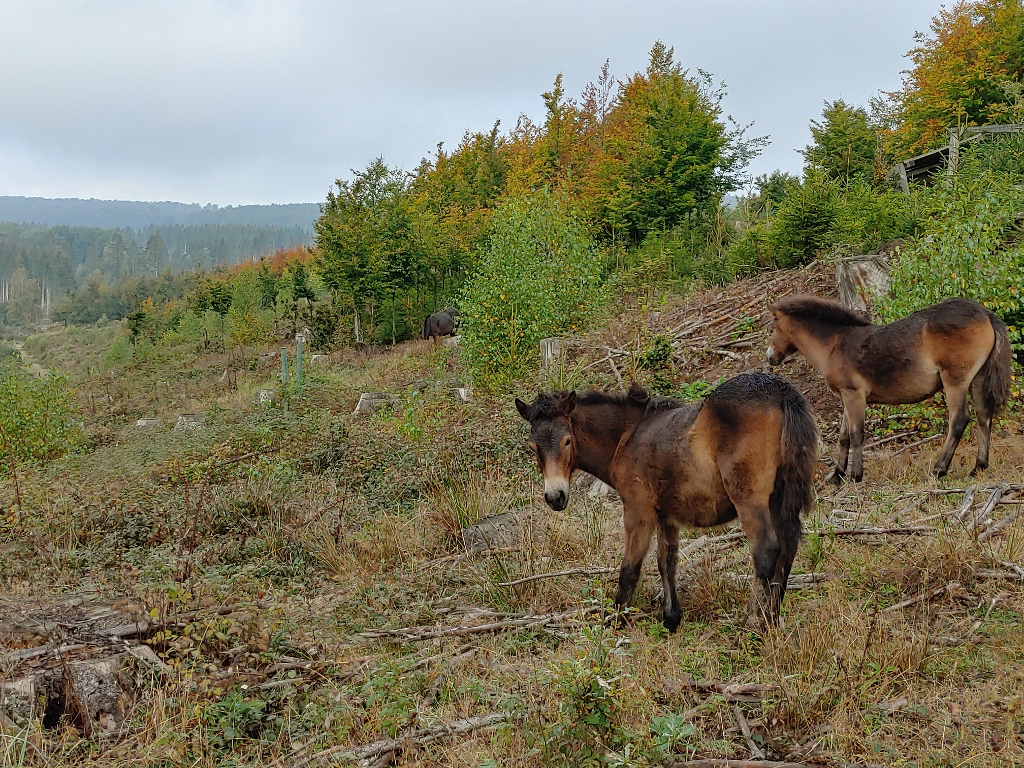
x=426, y=328
x=996, y=384
x=794, y=477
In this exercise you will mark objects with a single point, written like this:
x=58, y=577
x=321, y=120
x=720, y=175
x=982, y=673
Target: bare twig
x=416, y=634
x=755, y=751
x=923, y=596
x=989, y=505
x=413, y=740
x=590, y=571
x=914, y=445
x=748, y=692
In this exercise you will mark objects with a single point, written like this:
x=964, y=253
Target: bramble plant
x=539, y=276
x=973, y=249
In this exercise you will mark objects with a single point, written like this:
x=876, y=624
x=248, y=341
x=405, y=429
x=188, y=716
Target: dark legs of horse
x=764, y=549
x=984, y=414
x=639, y=529
x=668, y=555
x=956, y=397
x=843, y=455
x=854, y=404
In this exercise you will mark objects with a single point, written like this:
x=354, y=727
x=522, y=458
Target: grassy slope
x=339, y=525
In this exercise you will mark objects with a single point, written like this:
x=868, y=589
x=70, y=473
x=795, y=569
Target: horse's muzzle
x=557, y=499
x=773, y=357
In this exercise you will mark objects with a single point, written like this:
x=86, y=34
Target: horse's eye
x=568, y=442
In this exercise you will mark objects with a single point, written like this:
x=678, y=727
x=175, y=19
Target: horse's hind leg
x=956, y=398
x=639, y=529
x=789, y=539
x=985, y=415
x=668, y=555
x=765, y=549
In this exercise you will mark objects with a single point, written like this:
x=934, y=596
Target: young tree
x=843, y=145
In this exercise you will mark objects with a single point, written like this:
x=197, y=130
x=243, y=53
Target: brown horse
x=956, y=345
x=747, y=450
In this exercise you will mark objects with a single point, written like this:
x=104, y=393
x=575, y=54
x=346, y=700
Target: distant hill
x=123, y=214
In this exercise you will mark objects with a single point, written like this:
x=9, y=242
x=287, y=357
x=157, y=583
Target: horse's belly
x=913, y=388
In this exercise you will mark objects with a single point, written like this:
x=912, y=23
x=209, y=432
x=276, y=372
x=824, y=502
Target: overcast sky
x=256, y=101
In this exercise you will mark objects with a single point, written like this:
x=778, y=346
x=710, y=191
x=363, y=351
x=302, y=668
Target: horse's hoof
x=978, y=468
x=671, y=622
x=940, y=473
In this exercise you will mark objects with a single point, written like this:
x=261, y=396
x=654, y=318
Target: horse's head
x=781, y=345
x=551, y=442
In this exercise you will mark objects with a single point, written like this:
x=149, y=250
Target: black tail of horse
x=996, y=384
x=424, y=334
x=794, y=477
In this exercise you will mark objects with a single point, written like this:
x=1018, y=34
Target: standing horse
x=440, y=323
x=747, y=450
x=956, y=346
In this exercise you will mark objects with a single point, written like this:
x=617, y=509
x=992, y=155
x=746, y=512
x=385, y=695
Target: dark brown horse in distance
x=748, y=450
x=956, y=346
x=440, y=323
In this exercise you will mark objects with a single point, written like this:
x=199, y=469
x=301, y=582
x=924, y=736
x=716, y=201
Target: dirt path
x=33, y=367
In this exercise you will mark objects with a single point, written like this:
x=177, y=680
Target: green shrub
x=973, y=248
x=539, y=276
x=37, y=417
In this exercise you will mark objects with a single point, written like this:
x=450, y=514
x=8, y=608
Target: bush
x=539, y=276
x=821, y=214
x=973, y=248
x=37, y=418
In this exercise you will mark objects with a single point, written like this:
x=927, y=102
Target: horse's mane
x=822, y=310
x=636, y=395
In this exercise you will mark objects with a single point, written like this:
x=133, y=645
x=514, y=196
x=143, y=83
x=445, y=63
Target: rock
x=190, y=422
x=267, y=397
x=462, y=394
x=319, y=359
x=371, y=402
x=450, y=341
x=268, y=358
x=497, y=531
x=149, y=423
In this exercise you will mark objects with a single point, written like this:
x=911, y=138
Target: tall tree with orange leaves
x=958, y=74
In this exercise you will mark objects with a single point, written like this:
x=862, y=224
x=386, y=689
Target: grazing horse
x=956, y=346
x=748, y=450
x=440, y=323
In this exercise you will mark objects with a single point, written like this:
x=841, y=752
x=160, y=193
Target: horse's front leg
x=842, y=454
x=639, y=525
x=854, y=404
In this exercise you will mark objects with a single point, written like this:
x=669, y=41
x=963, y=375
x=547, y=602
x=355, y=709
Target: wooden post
x=284, y=365
x=954, y=152
x=299, y=338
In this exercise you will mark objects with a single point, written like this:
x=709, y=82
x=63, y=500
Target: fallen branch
x=413, y=740
x=912, y=530
x=914, y=445
x=996, y=528
x=733, y=692
x=595, y=571
x=989, y=505
x=889, y=439
x=723, y=763
x=923, y=596
x=417, y=634
x=755, y=751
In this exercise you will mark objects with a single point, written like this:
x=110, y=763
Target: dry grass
x=337, y=525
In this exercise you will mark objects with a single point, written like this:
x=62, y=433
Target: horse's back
x=906, y=360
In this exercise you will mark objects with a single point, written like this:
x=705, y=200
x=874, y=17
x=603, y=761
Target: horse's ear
x=523, y=408
x=570, y=402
